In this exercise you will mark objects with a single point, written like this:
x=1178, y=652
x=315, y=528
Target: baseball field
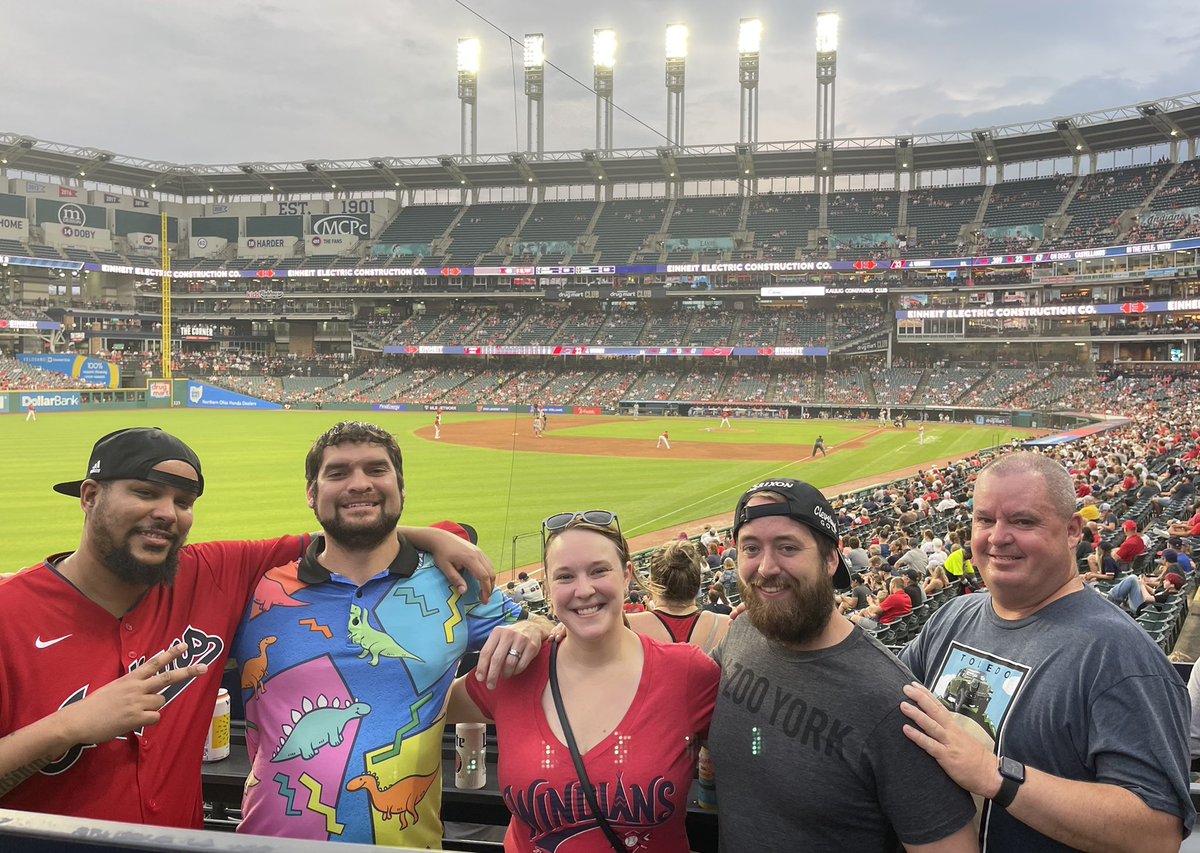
x=487, y=470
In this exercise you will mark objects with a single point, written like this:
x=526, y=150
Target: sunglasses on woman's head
x=594, y=517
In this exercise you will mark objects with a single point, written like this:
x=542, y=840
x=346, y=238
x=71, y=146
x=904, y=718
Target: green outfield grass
x=254, y=472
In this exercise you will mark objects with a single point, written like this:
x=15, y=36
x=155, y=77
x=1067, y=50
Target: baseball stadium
x=654, y=332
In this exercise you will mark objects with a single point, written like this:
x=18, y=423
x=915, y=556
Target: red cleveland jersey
x=57, y=647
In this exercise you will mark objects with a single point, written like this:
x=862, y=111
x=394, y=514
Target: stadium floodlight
x=676, y=41
x=749, y=35
x=468, y=56
x=827, y=32
x=604, y=57
x=604, y=48
x=749, y=44
x=468, y=92
x=535, y=50
x=535, y=92
x=827, y=45
x=676, y=45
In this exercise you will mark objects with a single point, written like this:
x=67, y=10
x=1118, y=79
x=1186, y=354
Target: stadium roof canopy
x=1119, y=128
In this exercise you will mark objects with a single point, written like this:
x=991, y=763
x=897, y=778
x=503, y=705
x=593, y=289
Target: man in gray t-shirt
x=806, y=739
x=1089, y=720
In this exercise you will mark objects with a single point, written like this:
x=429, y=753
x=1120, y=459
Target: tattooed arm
x=120, y=706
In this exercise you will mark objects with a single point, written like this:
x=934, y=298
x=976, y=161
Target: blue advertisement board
x=93, y=371
x=203, y=396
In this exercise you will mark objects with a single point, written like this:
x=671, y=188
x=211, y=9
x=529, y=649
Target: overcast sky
x=227, y=81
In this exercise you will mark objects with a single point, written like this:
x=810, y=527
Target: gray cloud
x=231, y=81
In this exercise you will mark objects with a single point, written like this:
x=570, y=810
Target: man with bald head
x=1090, y=719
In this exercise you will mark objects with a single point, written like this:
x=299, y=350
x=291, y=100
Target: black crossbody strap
x=575, y=756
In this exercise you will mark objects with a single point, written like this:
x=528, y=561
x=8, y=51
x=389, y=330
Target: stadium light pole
x=749, y=43
x=676, y=45
x=468, y=91
x=535, y=88
x=827, y=45
x=604, y=59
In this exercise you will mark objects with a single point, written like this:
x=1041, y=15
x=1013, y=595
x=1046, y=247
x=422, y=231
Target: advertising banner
x=78, y=236
x=335, y=245
x=683, y=244
x=90, y=370
x=204, y=396
x=267, y=247
x=54, y=401
x=1015, y=232
x=546, y=247
x=395, y=250
x=1159, y=218
x=46, y=211
x=356, y=225
x=875, y=239
x=14, y=228
x=206, y=247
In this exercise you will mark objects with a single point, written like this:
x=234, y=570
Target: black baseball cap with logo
x=805, y=504
x=131, y=454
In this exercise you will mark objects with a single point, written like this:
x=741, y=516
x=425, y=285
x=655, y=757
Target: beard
x=359, y=537
x=795, y=620
x=118, y=557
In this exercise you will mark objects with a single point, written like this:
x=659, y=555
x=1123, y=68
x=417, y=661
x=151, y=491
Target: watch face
x=1011, y=769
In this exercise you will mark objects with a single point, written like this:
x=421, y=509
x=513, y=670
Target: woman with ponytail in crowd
x=675, y=584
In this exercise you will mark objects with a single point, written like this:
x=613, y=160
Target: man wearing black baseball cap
x=85, y=729
x=811, y=703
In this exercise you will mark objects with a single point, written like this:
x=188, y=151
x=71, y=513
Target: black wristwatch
x=1012, y=777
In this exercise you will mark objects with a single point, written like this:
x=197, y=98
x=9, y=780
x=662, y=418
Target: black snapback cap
x=131, y=454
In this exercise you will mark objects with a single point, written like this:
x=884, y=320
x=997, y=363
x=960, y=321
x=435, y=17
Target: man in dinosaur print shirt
x=346, y=656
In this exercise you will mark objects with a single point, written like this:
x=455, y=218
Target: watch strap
x=1009, y=785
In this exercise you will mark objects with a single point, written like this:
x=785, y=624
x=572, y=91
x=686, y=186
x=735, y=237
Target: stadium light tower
x=749, y=42
x=604, y=58
x=676, y=44
x=468, y=90
x=535, y=88
x=827, y=45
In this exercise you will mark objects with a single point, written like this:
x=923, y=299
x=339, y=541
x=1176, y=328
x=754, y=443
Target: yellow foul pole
x=166, y=300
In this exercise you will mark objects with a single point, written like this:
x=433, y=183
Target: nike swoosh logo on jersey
x=48, y=643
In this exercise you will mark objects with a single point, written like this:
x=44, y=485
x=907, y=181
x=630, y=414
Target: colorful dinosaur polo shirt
x=345, y=689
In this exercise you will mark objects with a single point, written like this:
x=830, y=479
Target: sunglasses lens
x=599, y=517
x=557, y=522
